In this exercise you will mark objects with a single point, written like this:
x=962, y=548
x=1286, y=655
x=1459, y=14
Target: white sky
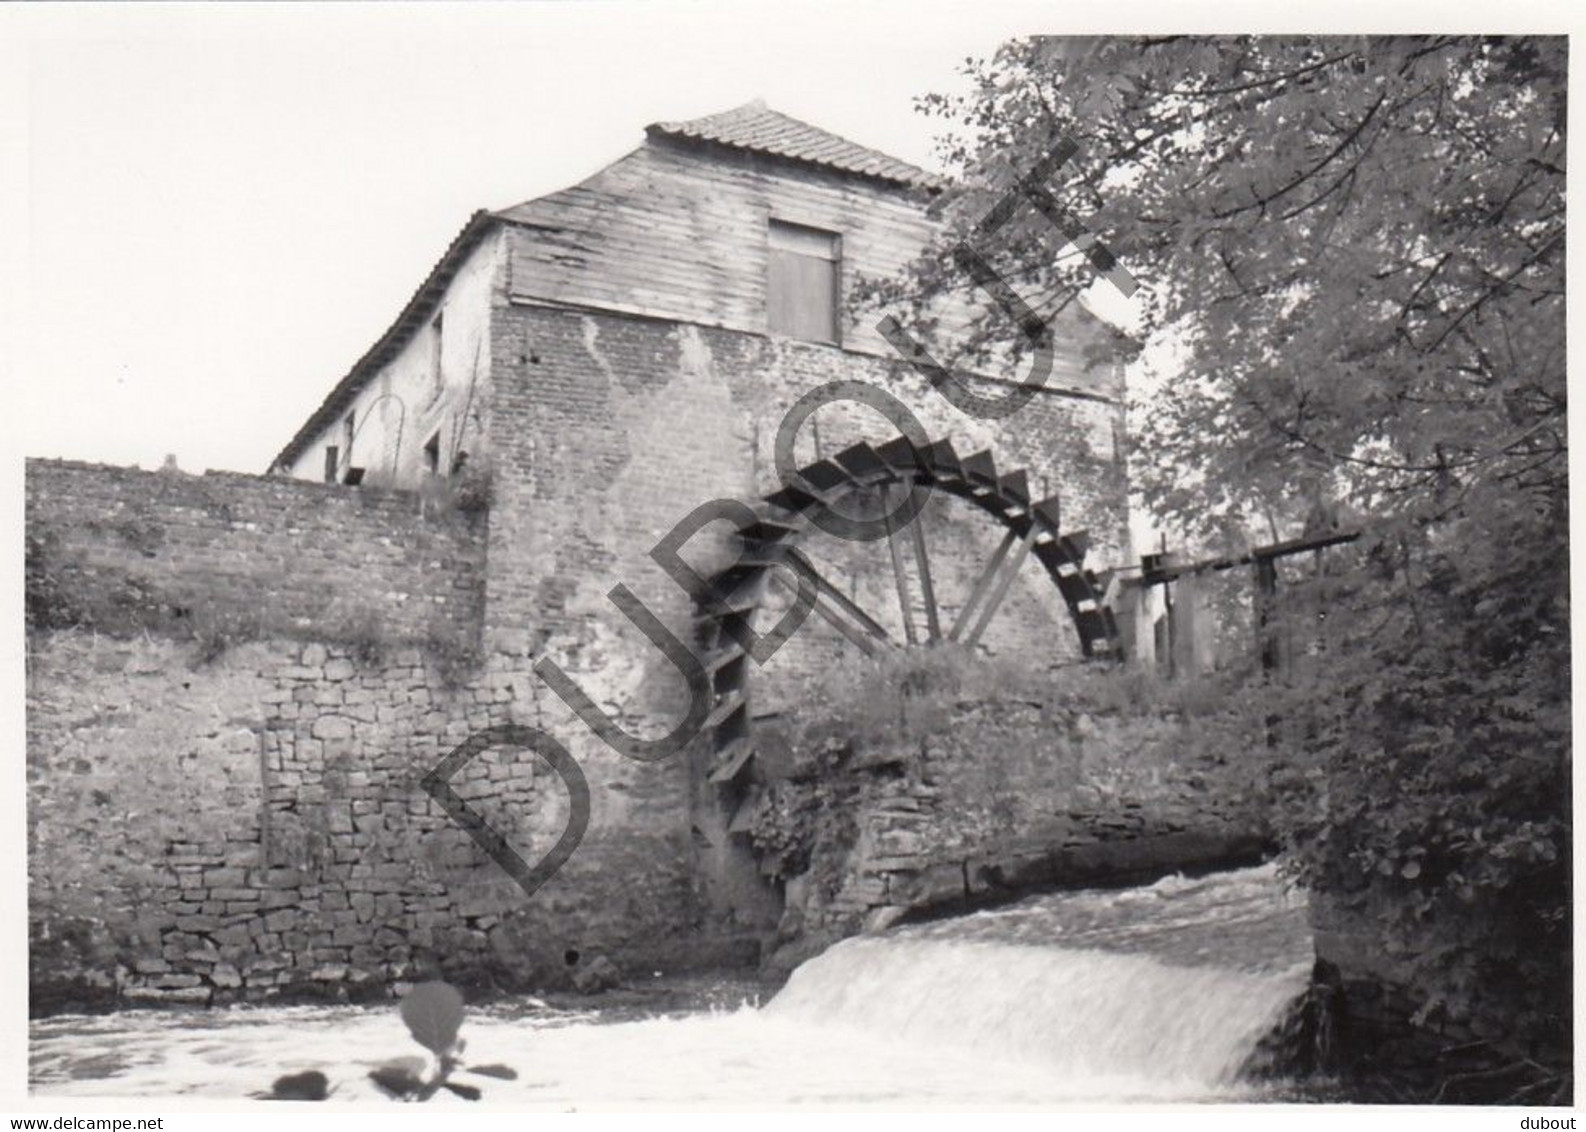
x=213, y=210
x=226, y=205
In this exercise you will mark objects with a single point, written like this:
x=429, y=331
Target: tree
x=1357, y=245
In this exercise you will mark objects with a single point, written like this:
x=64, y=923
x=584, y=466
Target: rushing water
x=1146, y=994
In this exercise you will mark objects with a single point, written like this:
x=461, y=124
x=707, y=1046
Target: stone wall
x=983, y=800
x=238, y=827
x=219, y=810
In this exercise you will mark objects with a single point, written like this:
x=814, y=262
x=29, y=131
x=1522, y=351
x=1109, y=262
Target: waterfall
x=1168, y=987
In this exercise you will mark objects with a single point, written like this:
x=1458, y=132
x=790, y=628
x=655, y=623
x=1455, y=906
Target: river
x=1151, y=994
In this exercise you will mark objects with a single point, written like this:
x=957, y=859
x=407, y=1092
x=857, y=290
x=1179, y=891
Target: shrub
x=901, y=695
x=474, y=490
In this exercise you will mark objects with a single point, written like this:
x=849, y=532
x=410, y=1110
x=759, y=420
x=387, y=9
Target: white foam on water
x=1083, y=1015
x=1152, y=994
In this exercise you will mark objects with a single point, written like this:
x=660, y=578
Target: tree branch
x=1354, y=133
x=1493, y=290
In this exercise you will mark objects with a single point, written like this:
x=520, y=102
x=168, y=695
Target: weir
x=1158, y=993
x=1165, y=987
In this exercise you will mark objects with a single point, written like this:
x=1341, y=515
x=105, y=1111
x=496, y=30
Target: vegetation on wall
x=876, y=712
x=879, y=715
x=1355, y=247
x=48, y=602
x=804, y=825
x=468, y=493
x=60, y=593
x=898, y=696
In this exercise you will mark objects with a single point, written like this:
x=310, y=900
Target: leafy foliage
x=360, y=627
x=1352, y=250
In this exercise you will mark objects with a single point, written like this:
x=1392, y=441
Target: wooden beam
x=866, y=642
x=981, y=583
x=933, y=623
x=848, y=617
x=897, y=564
x=1165, y=574
x=1009, y=572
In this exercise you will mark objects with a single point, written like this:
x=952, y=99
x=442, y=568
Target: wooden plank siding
x=682, y=233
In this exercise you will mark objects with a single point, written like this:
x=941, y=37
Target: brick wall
x=607, y=430
x=134, y=550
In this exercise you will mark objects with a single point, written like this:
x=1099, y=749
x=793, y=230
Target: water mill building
x=277, y=661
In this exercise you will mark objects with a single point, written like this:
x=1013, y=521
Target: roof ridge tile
x=757, y=128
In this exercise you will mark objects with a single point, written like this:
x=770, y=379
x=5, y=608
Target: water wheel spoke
x=899, y=574
x=922, y=558
x=982, y=584
x=1000, y=591
x=836, y=608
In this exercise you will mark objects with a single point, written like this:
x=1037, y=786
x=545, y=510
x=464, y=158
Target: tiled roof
x=756, y=128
